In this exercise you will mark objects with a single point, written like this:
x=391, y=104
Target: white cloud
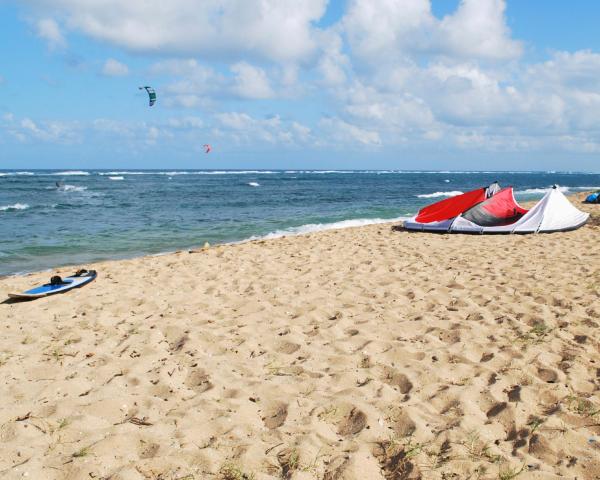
x=250, y=82
x=269, y=29
x=478, y=30
x=48, y=30
x=390, y=31
x=51, y=131
x=333, y=64
x=243, y=129
x=379, y=28
x=344, y=132
x=389, y=73
x=188, y=122
x=114, y=68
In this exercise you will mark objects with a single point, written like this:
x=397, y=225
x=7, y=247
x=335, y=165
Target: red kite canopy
x=491, y=210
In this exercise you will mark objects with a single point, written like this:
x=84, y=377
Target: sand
x=362, y=353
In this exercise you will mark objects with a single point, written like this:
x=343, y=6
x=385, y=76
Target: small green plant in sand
x=62, y=423
x=395, y=455
x=294, y=460
x=329, y=414
x=537, y=334
x=274, y=369
x=4, y=358
x=437, y=457
x=507, y=473
x=229, y=471
x=535, y=423
x=477, y=449
x=410, y=449
x=581, y=406
x=81, y=452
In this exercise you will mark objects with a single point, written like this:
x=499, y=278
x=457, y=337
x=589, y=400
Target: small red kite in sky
x=207, y=147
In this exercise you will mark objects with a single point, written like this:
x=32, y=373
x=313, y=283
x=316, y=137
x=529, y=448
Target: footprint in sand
x=398, y=380
x=352, y=422
x=287, y=347
x=148, y=450
x=198, y=380
x=400, y=422
x=547, y=375
x=275, y=415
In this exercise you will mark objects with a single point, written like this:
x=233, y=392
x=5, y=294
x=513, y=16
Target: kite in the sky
x=207, y=147
x=151, y=94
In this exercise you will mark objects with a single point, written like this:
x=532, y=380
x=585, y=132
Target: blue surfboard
x=58, y=285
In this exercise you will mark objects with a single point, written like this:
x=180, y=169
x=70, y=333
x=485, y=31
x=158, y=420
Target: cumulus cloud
x=478, y=30
x=269, y=29
x=346, y=133
x=114, y=68
x=388, y=73
x=250, y=82
x=243, y=129
x=50, y=131
x=48, y=30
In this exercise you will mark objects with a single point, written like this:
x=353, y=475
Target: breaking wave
x=16, y=206
x=542, y=191
x=72, y=188
x=440, y=194
x=320, y=227
x=70, y=172
x=254, y=184
x=116, y=178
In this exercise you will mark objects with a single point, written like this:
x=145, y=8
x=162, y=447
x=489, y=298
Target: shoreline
x=290, y=232
x=350, y=354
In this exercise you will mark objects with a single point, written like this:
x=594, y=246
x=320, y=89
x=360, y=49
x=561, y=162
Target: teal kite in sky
x=151, y=94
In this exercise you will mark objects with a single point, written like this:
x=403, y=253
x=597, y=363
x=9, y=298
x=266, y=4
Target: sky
x=374, y=84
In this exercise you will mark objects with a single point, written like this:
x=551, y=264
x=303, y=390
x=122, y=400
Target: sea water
x=97, y=215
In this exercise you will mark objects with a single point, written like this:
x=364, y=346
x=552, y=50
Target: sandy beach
x=362, y=353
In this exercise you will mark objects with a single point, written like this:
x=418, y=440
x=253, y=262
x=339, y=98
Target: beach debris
x=23, y=417
x=120, y=374
x=140, y=421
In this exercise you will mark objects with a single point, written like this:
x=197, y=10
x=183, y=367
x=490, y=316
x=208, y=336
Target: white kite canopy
x=553, y=213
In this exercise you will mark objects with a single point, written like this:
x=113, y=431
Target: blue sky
x=440, y=84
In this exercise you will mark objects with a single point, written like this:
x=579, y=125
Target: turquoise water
x=97, y=215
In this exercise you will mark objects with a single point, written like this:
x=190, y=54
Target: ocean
x=98, y=214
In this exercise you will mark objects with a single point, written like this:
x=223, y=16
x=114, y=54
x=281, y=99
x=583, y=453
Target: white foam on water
x=541, y=191
x=320, y=227
x=254, y=184
x=116, y=178
x=16, y=206
x=72, y=188
x=71, y=172
x=440, y=194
